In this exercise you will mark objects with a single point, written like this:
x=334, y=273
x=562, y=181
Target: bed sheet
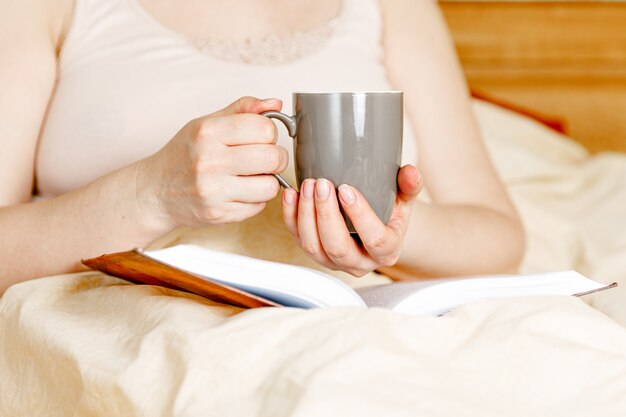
x=572, y=203
x=69, y=347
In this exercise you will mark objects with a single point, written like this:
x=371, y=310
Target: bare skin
x=470, y=228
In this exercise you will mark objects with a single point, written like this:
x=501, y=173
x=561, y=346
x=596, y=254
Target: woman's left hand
x=316, y=223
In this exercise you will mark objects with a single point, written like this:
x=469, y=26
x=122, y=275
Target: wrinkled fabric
x=573, y=204
x=91, y=345
x=98, y=346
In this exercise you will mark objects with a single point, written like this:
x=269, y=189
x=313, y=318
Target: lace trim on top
x=272, y=49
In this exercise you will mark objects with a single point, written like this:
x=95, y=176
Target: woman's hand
x=314, y=220
x=216, y=169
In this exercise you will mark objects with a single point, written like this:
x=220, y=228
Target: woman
x=104, y=109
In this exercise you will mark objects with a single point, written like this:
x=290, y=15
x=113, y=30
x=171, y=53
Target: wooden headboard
x=565, y=59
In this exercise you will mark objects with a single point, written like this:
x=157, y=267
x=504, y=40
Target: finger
x=251, y=189
x=250, y=105
x=307, y=224
x=290, y=212
x=257, y=159
x=238, y=129
x=380, y=241
x=410, y=183
x=333, y=232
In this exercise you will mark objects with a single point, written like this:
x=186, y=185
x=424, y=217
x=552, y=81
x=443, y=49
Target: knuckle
x=377, y=242
x=202, y=129
x=284, y=159
x=245, y=99
x=234, y=123
x=271, y=187
x=267, y=129
x=323, y=212
x=337, y=252
x=242, y=104
x=257, y=208
x=309, y=247
x=204, y=192
x=388, y=260
x=213, y=214
x=199, y=165
x=274, y=159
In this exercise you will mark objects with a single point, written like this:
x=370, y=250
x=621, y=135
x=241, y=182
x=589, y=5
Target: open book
x=249, y=282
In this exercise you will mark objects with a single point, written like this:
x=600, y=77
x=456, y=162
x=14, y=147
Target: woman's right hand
x=216, y=169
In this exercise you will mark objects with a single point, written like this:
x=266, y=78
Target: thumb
x=250, y=105
x=410, y=183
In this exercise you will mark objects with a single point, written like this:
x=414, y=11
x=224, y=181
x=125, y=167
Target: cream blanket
x=91, y=345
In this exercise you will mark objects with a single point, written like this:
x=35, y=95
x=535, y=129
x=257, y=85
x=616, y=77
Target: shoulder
x=50, y=18
x=404, y=7
x=419, y=23
x=397, y=13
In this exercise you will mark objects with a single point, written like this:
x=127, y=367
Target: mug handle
x=291, y=124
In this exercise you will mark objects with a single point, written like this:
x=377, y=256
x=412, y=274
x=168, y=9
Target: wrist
x=147, y=205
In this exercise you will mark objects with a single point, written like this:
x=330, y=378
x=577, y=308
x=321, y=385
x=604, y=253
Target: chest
x=128, y=83
x=238, y=20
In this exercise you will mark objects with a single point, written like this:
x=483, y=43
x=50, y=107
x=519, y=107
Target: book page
x=288, y=285
x=389, y=295
x=435, y=298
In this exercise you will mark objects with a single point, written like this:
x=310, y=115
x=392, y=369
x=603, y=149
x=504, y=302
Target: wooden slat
x=562, y=58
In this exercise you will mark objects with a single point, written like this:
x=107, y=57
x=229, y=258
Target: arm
x=130, y=207
x=49, y=237
x=471, y=215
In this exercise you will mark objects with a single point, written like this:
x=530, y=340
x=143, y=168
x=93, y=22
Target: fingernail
x=289, y=197
x=322, y=189
x=307, y=188
x=270, y=100
x=346, y=194
x=417, y=175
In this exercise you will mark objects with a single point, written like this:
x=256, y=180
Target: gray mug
x=348, y=138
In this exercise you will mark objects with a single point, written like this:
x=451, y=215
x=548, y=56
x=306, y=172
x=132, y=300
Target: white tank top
x=127, y=84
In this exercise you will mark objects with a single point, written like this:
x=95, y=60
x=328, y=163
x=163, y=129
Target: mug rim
x=347, y=92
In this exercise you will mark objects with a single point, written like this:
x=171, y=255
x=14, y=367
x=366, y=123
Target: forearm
x=459, y=240
x=472, y=228
x=50, y=237
x=196, y=179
